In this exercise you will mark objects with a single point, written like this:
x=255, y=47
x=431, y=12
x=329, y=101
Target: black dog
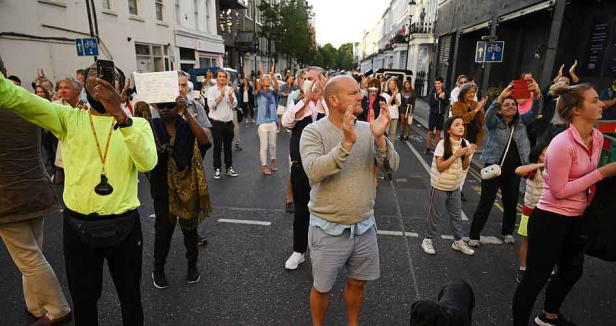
x=456, y=302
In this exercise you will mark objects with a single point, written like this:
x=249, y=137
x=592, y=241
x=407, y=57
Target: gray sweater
x=343, y=183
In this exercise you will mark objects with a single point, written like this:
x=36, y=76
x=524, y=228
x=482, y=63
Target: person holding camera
x=104, y=150
x=508, y=146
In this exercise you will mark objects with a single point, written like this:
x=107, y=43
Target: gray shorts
x=359, y=257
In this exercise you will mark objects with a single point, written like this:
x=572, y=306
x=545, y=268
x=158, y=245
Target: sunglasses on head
x=165, y=106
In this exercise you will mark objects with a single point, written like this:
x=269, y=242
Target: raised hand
x=505, y=93
x=181, y=103
x=109, y=97
x=560, y=73
x=379, y=125
x=462, y=151
x=572, y=69
x=348, y=128
x=534, y=87
x=481, y=104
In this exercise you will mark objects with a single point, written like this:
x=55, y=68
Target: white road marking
x=399, y=233
x=152, y=215
x=427, y=168
x=225, y=220
x=249, y=209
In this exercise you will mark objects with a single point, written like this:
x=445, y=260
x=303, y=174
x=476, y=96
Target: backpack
x=601, y=221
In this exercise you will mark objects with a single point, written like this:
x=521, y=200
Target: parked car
x=197, y=76
x=399, y=74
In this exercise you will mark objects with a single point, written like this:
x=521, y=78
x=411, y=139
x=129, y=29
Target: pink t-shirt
x=571, y=169
x=371, y=100
x=527, y=105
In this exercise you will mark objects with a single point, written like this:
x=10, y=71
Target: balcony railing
x=421, y=28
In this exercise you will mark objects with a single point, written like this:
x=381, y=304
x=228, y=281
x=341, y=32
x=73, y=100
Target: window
x=152, y=57
x=132, y=7
x=159, y=10
x=106, y=4
x=207, y=15
x=178, y=12
x=205, y=62
x=249, y=13
x=258, y=16
x=196, y=10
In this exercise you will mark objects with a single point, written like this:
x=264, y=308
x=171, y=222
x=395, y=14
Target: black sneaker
x=193, y=275
x=542, y=320
x=238, y=148
x=520, y=275
x=217, y=174
x=427, y=151
x=159, y=279
x=201, y=240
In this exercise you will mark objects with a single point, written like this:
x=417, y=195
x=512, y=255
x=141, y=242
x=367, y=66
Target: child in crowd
x=451, y=157
x=534, y=187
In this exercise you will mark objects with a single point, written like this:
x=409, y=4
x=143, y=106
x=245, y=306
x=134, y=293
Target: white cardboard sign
x=157, y=87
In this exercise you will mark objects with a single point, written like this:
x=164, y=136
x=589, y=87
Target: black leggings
x=553, y=240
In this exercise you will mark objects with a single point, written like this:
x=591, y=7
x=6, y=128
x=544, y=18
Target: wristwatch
x=127, y=123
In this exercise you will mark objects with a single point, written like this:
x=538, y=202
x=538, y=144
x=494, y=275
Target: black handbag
x=240, y=115
x=106, y=232
x=602, y=224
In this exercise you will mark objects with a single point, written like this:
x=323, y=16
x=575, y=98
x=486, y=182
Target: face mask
x=373, y=90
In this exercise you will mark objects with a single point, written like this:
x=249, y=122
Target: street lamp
x=412, y=5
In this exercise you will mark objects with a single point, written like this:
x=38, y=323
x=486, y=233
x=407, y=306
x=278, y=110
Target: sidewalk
x=421, y=113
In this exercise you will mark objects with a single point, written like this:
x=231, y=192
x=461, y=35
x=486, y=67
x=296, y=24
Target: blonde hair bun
x=559, y=88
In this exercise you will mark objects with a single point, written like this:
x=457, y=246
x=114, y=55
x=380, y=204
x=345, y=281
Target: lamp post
x=408, y=43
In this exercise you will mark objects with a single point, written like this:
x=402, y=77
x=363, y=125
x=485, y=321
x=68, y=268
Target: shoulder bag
x=492, y=171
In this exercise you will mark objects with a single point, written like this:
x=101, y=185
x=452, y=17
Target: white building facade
x=393, y=43
x=138, y=35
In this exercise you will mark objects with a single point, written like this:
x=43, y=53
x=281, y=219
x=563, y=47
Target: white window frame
x=162, y=10
x=164, y=55
x=249, y=14
x=109, y=3
x=258, y=16
x=136, y=7
x=196, y=14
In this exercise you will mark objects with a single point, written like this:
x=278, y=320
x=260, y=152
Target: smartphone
x=106, y=71
x=520, y=89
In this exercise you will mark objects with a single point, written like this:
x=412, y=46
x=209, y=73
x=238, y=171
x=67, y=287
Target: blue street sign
x=79, y=45
x=90, y=46
x=86, y=46
x=489, y=51
x=494, y=51
x=480, y=51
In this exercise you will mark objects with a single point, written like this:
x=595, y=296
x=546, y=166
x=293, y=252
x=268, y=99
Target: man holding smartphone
x=221, y=100
x=104, y=150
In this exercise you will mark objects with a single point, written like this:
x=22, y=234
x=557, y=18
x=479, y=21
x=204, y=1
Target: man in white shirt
x=221, y=101
x=309, y=109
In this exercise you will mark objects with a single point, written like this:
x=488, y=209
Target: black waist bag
x=102, y=231
x=600, y=213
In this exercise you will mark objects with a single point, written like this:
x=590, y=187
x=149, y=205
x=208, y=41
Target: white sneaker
x=461, y=246
x=427, y=246
x=294, y=261
x=217, y=174
x=474, y=243
x=509, y=239
x=231, y=172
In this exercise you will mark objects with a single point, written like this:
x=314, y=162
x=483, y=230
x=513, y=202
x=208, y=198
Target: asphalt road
x=243, y=277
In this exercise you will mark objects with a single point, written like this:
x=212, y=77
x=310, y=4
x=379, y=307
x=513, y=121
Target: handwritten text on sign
x=157, y=87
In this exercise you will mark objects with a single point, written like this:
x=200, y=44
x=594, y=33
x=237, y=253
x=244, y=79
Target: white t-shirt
x=393, y=108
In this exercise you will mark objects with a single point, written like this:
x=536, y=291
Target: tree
x=271, y=27
x=345, y=57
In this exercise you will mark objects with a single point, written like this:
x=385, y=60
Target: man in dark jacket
x=26, y=199
x=438, y=99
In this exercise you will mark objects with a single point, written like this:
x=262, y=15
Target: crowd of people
x=342, y=135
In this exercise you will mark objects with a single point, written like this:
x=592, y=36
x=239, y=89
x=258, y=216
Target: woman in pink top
x=554, y=230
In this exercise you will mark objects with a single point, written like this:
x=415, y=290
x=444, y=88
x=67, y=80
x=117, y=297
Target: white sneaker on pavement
x=427, y=247
x=217, y=174
x=474, y=243
x=509, y=239
x=461, y=246
x=294, y=261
